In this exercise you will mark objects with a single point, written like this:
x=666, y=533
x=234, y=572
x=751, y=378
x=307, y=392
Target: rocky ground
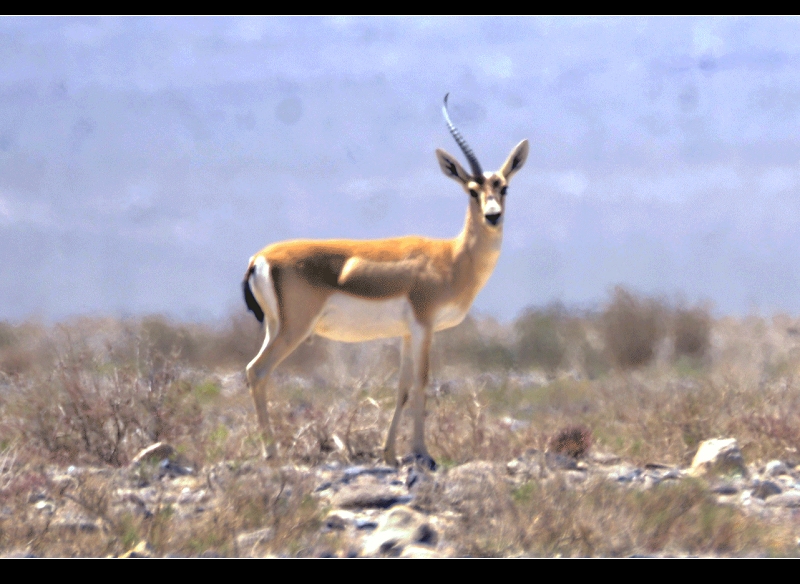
x=124, y=439
x=358, y=510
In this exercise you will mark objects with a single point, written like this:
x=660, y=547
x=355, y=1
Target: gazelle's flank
x=354, y=290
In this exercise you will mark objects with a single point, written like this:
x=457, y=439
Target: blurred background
x=144, y=160
x=646, y=300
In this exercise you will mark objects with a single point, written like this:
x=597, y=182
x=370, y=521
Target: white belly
x=349, y=318
x=352, y=319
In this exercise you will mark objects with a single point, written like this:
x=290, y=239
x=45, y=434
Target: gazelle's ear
x=451, y=167
x=515, y=160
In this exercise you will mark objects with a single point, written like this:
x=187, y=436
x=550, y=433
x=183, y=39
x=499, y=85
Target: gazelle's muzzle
x=492, y=212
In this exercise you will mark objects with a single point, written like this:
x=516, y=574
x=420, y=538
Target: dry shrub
x=469, y=345
x=692, y=332
x=237, y=341
x=258, y=498
x=573, y=441
x=632, y=328
x=782, y=429
x=165, y=338
x=460, y=429
x=92, y=407
x=234, y=342
x=253, y=498
x=541, y=338
x=24, y=347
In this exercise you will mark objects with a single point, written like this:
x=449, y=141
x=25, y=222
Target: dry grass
x=552, y=518
x=95, y=391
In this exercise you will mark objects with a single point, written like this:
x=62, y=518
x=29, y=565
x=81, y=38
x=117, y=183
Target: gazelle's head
x=487, y=190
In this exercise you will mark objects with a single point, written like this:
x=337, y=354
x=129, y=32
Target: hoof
x=425, y=461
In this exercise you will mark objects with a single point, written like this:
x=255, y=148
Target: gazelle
x=356, y=290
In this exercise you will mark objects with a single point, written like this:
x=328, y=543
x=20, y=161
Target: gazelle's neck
x=478, y=244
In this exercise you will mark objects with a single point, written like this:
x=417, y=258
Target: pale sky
x=144, y=160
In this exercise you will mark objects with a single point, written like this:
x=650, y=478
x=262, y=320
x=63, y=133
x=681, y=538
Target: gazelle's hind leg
x=277, y=346
x=257, y=379
x=406, y=378
x=420, y=352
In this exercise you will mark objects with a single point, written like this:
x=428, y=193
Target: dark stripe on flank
x=249, y=299
x=370, y=279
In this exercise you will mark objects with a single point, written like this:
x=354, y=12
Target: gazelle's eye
x=474, y=193
x=503, y=190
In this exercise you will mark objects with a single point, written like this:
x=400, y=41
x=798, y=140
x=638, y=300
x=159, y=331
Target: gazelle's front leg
x=406, y=378
x=420, y=352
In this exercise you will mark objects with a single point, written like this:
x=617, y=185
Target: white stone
x=718, y=455
x=775, y=468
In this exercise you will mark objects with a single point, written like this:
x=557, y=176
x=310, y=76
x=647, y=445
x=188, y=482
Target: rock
x=671, y=474
x=189, y=497
x=414, y=477
x=766, y=489
x=775, y=468
x=48, y=506
x=324, y=486
x=142, y=550
x=172, y=469
x=357, y=471
x=69, y=517
x=718, y=456
x=418, y=551
x=369, y=497
x=656, y=466
x=513, y=424
x=157, y=451
x=477, y=488
x=514, y=467
x=338, y=520
x=400, y=527
x=726, y=489
x=210, y=554
x=524, y=468
x=366, y=523
x=19, y=554
x=603, y=457
x=253, y=538
x=74, y=523
x=327, y=554
x=625, y=474
x=575, y=477
x=786, y=499
x=555, y=460
x=62, y=482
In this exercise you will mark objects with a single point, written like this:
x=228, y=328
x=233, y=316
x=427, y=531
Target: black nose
x=493, y=219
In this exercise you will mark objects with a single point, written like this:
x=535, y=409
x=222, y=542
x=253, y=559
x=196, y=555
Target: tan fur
x=364, y=289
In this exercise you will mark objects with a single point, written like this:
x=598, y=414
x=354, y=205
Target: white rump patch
x=264, y=290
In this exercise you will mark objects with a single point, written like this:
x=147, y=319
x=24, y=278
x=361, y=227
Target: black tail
x=249, y=299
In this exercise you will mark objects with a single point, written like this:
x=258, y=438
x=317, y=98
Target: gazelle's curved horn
x=477, y=172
